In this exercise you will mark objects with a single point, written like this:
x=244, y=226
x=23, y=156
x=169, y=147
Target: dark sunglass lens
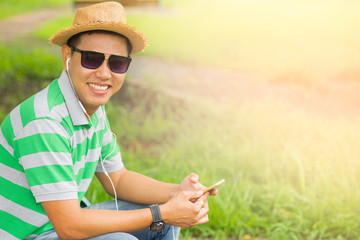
x=92, y=60
x=119, y=64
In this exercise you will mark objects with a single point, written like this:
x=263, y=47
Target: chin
x=99, y=101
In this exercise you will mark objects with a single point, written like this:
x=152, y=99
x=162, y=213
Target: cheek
x=79, y=76
x=118, y=83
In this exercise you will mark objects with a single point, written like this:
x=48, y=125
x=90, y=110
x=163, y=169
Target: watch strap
x=155, y=211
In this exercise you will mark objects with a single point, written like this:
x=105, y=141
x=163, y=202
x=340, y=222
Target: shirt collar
x=72, y=102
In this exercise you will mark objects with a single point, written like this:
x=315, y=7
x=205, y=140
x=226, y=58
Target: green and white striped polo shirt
x=49, y=151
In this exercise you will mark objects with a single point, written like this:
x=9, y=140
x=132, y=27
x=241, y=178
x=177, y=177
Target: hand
x=191, y=183
x=180, y=211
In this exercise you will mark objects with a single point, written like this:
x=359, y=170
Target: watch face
x=157, y=226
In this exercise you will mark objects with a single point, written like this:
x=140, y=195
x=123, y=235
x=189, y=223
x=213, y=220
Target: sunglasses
x=93, y=60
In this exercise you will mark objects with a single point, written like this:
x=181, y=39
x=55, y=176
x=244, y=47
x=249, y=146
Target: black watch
x=157, y=224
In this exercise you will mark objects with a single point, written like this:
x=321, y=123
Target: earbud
x=67, y=64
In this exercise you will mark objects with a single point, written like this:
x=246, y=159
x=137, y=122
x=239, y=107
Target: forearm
x=76, y=223
x=140, y=189
x=72, y=222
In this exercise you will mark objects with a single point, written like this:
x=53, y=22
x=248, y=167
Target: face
x=94, y=87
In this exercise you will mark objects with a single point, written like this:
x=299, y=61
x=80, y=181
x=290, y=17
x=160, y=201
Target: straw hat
x=109, y=16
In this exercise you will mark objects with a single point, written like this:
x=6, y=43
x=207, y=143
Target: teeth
x=97, y=87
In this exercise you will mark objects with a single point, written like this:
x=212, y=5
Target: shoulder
x=45, y=108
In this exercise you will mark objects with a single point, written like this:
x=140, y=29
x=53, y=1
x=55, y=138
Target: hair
x=75, y=40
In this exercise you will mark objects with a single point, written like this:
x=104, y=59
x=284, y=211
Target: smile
x=98, y=87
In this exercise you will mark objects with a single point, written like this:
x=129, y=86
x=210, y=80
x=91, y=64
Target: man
x=54, y=142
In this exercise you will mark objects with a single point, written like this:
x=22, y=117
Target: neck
x=88, y=113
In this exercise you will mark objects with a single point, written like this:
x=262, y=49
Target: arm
x=137, y=188
x=134, y=187
x=72, y=222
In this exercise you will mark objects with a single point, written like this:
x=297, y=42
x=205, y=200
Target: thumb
x=194, y=178
x=192, y=196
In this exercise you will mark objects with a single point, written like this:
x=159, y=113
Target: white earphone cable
x=97, y=137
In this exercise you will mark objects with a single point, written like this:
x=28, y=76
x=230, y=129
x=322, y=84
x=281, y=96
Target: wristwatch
x=157, y=224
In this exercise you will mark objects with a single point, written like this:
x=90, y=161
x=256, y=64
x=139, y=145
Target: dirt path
x=219, y=86
x=21, y=25
x=199, y=83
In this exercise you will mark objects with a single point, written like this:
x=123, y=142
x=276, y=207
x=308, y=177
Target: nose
x=104, y=72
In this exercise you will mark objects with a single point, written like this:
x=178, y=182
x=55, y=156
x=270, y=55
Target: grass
x=15, y=7
x=24, y=69
x=289, y=176
x=51, y=27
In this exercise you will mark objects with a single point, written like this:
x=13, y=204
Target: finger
x=194, y=178
x=193, y=195
x=213, y=192
x=203, y=220
x=203, y=215
x=202, y=203
x=204, y=197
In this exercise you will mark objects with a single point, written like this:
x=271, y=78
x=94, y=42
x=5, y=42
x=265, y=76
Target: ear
x=66, y=53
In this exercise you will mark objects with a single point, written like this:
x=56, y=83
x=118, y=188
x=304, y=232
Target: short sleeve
x=43, y=149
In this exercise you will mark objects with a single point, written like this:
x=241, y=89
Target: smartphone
x=214, y=186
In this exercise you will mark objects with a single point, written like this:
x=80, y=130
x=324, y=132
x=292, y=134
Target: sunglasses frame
x=82, y=52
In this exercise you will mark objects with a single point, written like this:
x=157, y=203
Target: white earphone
x=101, y=160
x=67, y=64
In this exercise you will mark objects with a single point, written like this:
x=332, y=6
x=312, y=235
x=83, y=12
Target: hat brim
x=138, y=40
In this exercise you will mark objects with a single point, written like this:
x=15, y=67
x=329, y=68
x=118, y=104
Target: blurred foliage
x=24, y=70
x=14, y=7
x=306, y=42
x=51, y=27
x=288, y=175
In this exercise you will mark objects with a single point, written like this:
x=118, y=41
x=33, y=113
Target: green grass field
x=288, y=175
